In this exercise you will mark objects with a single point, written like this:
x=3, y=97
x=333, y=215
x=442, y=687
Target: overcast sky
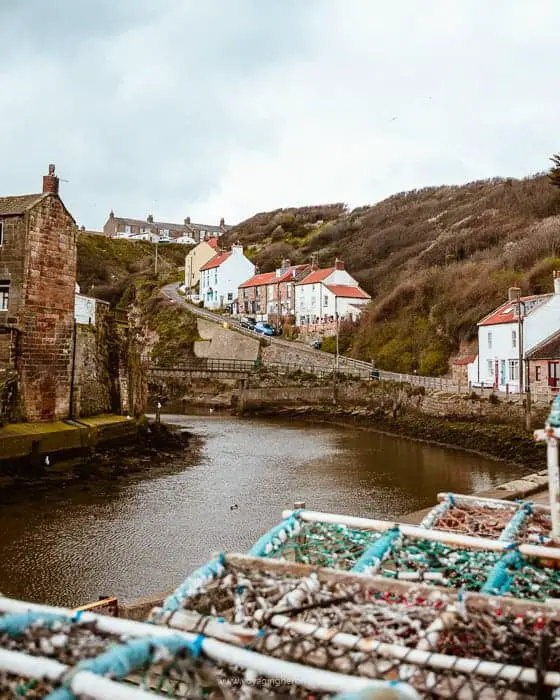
x=214, y=108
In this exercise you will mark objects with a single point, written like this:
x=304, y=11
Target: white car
x=194, y=298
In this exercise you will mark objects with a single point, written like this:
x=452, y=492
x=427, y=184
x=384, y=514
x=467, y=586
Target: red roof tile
x=257, y=280
x=505, y=312
x=347, y=291
x=466, y=360
x=317, y=275
x=270, y=277
x=216, y=261
x=213, y=242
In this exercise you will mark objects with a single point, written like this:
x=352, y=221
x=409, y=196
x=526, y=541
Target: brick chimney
x=222, y=222
x=514, y=293
x=50, y=181
x=187, y=221
x=314, y=261
x=338, y=264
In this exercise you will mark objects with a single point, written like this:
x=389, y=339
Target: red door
x=554, y=374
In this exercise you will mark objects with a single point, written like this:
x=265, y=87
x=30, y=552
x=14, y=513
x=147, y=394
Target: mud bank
x=504, y=442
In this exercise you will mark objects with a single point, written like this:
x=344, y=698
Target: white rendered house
x=511, y=331
x=221, y=276
x=328, y=293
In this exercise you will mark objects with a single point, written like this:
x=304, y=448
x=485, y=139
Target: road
x=348, y=364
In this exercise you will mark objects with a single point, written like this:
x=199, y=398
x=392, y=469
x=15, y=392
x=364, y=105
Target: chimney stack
x=50, y=181
x=314, y=261
x=222, y=222
x=150, y=219
x=338, y=264
x=188, y=221
x=514, y=293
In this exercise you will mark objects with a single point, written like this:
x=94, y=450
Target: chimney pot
x=514, y=294
x=338, y=264
x=222, y=222
x=187, y=221
x=50, y=181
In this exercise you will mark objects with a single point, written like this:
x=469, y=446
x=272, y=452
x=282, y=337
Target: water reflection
x=70, y=540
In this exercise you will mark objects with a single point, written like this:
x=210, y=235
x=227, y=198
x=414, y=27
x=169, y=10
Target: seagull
x=234, y=507
x=47, y=460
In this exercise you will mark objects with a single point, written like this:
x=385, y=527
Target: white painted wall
x=218, y=286
x=316, y=300
x=502, y=349
x=84, y=309
x=542, y=322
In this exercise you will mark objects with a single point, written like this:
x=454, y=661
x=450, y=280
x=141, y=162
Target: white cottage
x=328, y=293
x=512, y=331
x=221, y=276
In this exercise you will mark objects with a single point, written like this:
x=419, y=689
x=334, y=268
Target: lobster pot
x=520, y=522
x=374, y=628
x=50, y=653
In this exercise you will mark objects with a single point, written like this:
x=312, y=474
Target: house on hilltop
x=328, y=294
x=140, y=229
x=271, y=296
x=221, y=276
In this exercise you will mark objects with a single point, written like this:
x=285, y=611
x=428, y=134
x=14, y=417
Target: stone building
x=37, y=286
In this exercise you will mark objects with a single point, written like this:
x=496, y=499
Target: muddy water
x=77, y=535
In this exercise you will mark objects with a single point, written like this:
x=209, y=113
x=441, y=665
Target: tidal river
x=78, y=536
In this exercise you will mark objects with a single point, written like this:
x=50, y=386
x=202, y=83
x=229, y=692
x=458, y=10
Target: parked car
x=247, y=322
x=194, y=298
x=316, y=344
x=264, y=328
x=375, y=374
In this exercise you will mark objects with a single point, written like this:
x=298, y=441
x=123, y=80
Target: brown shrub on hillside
x=435, y=260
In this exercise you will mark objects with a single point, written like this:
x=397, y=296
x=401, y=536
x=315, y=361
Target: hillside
x=123, y=273
x=434, y=260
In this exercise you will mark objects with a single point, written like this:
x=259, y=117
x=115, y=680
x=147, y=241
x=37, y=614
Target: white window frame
x=514, y=339
x=4, y=294
x=490, y=367
x=326, y=300
x=513, y=370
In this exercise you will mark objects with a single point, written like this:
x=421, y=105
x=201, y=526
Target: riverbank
x=505, y=442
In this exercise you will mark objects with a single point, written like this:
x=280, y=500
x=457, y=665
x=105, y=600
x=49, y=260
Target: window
x=490, y=368
x=312, y=301
x=245, y=293
x=230, y=296
x=538, y=373
x=326, y=300
x=513, y=370
x=489, y=340
x=1, y=232
x=4, y=294
x=514, y=339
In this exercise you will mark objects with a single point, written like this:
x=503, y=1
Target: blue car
x=264, y=328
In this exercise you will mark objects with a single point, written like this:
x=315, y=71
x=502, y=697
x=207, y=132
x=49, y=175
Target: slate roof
x=549, y=349
x=347, y=291
x=172, y=227
x=12, y=206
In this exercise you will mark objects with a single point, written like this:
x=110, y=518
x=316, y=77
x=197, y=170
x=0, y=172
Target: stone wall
x=224, y=344
x=47, y=314
x=9, y=397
